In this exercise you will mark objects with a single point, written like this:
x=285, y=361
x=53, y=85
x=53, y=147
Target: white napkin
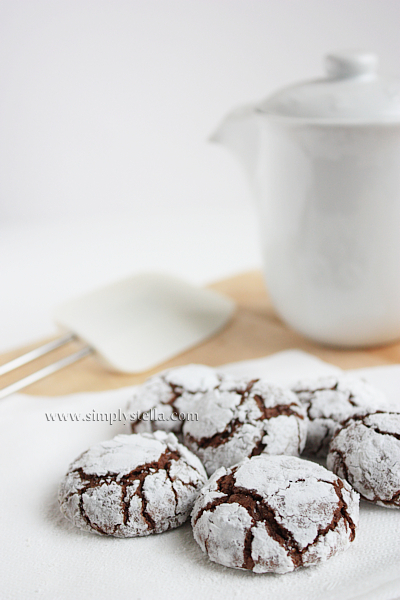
x=45, y=557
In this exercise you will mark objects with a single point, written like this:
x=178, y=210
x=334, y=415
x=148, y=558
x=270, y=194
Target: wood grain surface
x=254, y=331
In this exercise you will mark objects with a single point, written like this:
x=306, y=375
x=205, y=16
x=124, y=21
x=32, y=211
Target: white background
x=105, y=112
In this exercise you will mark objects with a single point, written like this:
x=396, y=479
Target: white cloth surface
x=44, y=556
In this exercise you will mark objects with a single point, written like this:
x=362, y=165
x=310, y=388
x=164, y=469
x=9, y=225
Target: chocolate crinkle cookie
x=366, y=452
x=163, y=401
x=331, y=400
x=132, y=485
x=242, y=418
x=274, y=514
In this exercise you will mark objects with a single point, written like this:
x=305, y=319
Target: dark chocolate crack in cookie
x=274, y=514
x=132, y=485
x=163, y=400
x=331, y=400
x=366, y=452
x=242, y=418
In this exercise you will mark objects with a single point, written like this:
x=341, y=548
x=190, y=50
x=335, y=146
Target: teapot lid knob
x=340, y=65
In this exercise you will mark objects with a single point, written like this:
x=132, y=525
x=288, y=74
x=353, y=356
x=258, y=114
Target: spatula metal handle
x=48, y=370
x=36, y=353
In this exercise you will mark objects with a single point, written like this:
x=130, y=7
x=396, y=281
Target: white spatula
x=133, y=325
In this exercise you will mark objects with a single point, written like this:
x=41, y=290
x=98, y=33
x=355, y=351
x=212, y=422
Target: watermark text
x=119, y=416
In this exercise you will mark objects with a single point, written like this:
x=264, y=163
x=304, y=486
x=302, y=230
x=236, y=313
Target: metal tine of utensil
x=36, y=353
x=60, y=364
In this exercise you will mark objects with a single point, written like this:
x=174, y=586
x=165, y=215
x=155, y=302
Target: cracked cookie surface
x=243, y=418
x=162, y=398
x=274, y=514
x=132, y=485
x=366, y=452
x=331, y=400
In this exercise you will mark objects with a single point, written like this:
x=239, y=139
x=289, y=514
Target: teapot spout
x=239, y=132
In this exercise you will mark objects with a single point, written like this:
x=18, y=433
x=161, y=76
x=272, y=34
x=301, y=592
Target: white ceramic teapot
x=324, y=162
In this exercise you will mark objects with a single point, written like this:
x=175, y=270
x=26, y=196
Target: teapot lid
x=352, y=91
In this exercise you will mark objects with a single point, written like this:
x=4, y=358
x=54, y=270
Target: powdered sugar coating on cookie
x=132, y=485
x=242, y=418
x=331, y=400
x=163, y=397
x=366, y=452
x=274, y=514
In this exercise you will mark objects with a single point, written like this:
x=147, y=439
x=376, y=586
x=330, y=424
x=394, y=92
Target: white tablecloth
x=45, y=557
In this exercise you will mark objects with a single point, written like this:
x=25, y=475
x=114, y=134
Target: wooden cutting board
x=255, y=331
